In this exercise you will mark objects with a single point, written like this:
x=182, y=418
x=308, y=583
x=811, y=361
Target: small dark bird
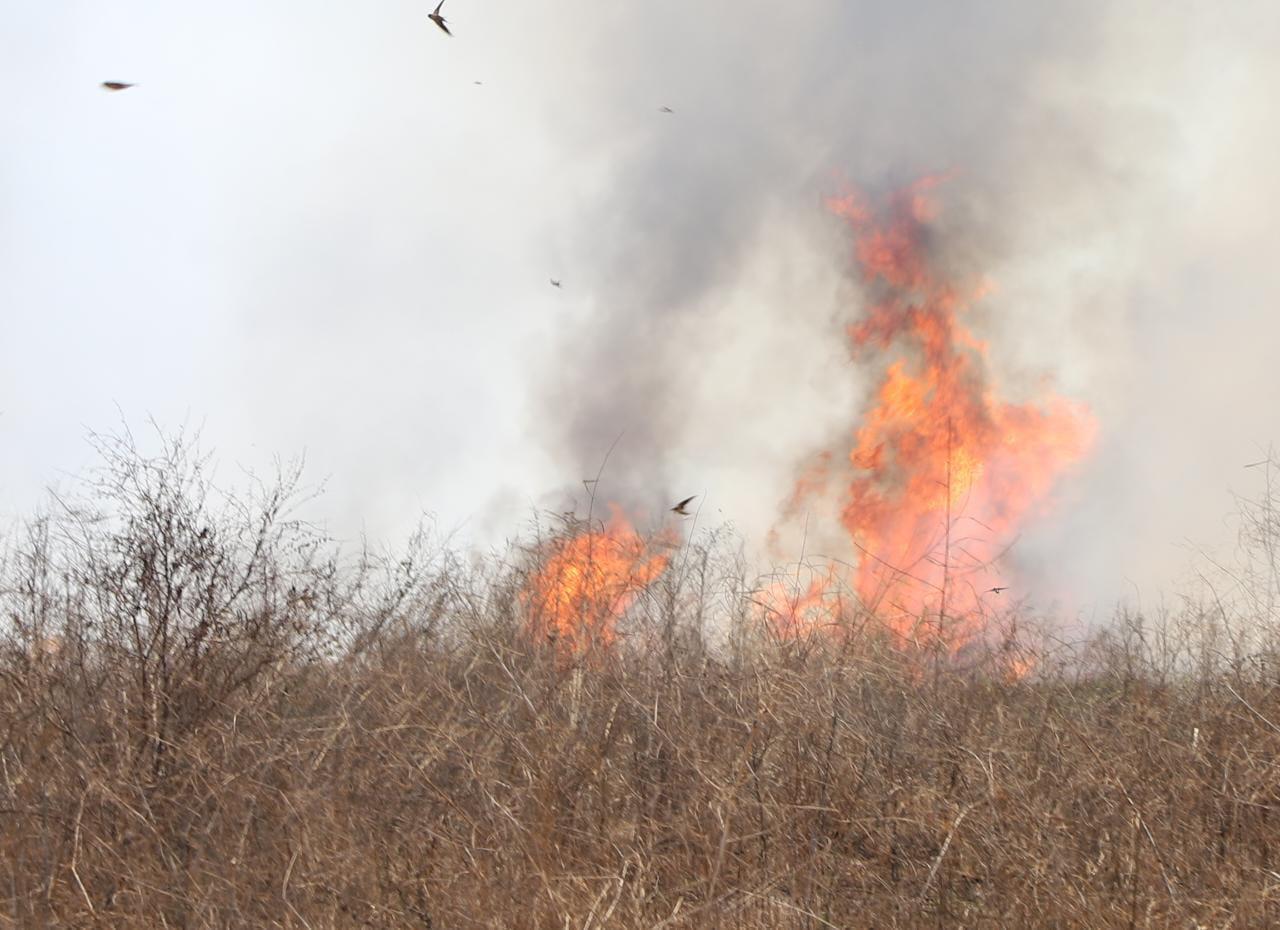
x=682, y=508
x=997, y=590
x=478, y=83
x=439, y=20
x=555, y=282
x=115, y=85
x=667, y=110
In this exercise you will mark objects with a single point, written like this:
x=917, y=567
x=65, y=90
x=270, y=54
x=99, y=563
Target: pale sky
x=307, y=230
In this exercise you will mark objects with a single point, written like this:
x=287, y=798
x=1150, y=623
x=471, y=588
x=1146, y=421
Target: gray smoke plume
x=1084, y=148
x=308, y=229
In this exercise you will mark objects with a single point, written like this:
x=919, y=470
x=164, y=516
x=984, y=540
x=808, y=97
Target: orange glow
x=588, y=582
x=794, y=614
x=941, y=472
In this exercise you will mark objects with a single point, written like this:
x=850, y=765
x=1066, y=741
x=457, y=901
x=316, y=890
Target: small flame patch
x=588, y=581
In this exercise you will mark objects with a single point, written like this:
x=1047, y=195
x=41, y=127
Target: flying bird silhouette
x=667, y=110
x=682, y=507
x=115, y=85
x=439, y=20
x=997, y=590
x=555, y=282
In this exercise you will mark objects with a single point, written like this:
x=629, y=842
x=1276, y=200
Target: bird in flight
x=997, y=590
x=667, y=110
x=682, y=508
x=439, y=20
x=115, y=85
x=555, y=282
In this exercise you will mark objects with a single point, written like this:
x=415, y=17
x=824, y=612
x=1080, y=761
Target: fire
x=588, y=581
x=795, y=611
x=941, y=471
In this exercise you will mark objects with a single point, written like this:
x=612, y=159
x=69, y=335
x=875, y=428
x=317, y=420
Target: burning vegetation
x=940, y=472
x=587, y=580
x=943, y=471
x=937, y=477
x=214, y=719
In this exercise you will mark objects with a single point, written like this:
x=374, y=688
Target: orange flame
x=942, y=472
x=588, y=582
x=795, y=611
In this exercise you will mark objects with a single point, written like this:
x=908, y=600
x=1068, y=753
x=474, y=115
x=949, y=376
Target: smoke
x=308, y=230
x=1104, y=167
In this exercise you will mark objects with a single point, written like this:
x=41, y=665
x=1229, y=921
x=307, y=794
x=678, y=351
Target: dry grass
x=211, y=721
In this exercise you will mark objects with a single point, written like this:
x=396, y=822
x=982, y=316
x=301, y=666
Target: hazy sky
x=308, y=230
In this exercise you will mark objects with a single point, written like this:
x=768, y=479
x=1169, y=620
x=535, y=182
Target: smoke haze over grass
x=307, y=228
x=214, y=718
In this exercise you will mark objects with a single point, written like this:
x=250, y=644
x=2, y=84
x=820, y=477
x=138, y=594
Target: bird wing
x=436, y=11
x=685, y=503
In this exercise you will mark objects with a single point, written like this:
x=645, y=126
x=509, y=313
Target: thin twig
x=946, y=844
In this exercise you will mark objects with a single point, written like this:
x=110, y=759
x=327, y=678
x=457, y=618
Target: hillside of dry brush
x=209, y=717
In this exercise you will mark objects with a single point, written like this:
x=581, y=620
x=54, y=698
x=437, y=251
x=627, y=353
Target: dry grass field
x=210, y=719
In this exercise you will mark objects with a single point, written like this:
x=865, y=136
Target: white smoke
x=308, y=229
